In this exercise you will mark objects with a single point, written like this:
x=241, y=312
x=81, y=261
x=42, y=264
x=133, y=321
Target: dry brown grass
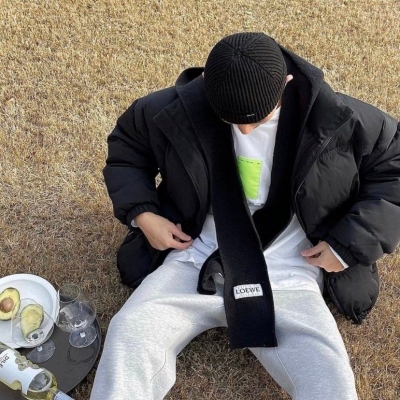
x=70, y=67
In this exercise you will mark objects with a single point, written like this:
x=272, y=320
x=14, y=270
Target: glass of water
x=76, y=315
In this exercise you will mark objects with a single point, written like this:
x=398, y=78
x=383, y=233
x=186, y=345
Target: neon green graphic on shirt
x=250, y=171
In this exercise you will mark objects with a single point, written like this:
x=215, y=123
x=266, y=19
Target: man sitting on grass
x=272, y=186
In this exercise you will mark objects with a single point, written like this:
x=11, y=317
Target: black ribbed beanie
x=244, y=77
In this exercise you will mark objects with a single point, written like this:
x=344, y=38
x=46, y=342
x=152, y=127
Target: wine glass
x=76, y=315
x=31, y=326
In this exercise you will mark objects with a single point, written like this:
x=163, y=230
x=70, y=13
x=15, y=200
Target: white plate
x=32, y=287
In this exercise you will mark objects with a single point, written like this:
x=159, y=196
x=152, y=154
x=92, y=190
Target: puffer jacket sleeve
x=131, y=166
x=371, y=227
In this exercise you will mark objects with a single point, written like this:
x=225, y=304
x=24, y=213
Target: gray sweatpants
x=165, y=313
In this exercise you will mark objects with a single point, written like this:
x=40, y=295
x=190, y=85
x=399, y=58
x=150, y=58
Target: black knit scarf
x=241, y=239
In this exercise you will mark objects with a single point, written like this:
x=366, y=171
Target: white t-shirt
x=287, y=269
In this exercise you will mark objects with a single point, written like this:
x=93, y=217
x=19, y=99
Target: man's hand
x=162, y=233
x=321, y=256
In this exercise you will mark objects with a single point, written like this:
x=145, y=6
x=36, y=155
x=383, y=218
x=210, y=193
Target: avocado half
x=31, y=318
x=8, y=298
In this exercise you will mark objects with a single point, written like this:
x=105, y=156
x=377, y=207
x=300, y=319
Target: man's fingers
x=171, y=242
x=162, y=233
x=314, y=251
x=313, y=261
x=179, y=234
x=310, y=252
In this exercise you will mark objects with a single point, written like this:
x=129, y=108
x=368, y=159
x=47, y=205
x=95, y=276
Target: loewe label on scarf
x=252, y=290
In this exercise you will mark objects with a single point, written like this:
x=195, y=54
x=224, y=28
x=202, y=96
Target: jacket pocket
x=136, y=258
x=354, y=291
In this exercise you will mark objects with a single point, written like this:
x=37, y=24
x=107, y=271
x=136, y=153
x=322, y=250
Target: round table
x=69, y=365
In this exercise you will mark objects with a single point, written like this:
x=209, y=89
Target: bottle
x=34, y=382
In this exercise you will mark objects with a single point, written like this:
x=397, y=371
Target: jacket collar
x=187, y=76
x=322, y=117
x=307, y=81
x=300, y=107
x=180, y=121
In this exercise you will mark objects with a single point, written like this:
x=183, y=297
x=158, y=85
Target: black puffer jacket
x=345, y=185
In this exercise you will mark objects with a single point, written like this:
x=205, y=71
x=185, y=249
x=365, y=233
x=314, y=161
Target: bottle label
x=14, y=367
x=62, y=396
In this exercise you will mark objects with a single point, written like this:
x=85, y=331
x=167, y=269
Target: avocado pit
x=9, y=303
x=6, y=305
